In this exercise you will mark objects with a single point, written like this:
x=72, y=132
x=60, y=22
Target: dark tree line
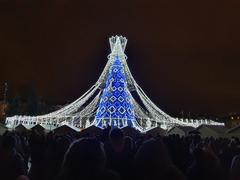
x=28, y=104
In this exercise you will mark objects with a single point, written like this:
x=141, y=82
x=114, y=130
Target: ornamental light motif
x=114, y=100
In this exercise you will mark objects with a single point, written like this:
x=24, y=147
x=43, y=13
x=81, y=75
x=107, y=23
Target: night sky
x=184, y=54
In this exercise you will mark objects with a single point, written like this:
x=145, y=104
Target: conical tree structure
x=116, y=107
x=110, y=102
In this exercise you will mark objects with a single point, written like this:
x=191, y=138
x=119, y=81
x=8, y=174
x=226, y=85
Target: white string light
x=79, y=113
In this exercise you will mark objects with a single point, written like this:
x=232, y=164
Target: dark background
x=184, y=54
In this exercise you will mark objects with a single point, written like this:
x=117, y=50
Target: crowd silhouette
x=115, y=156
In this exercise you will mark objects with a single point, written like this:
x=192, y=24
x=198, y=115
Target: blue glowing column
x=115, y=107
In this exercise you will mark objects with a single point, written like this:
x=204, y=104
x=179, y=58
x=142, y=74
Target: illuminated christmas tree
x=115, y=108
x=110, y=102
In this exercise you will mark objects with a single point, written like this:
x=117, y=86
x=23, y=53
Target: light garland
x=113, y=103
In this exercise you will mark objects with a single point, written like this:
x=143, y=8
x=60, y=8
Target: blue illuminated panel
x=115, y=107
